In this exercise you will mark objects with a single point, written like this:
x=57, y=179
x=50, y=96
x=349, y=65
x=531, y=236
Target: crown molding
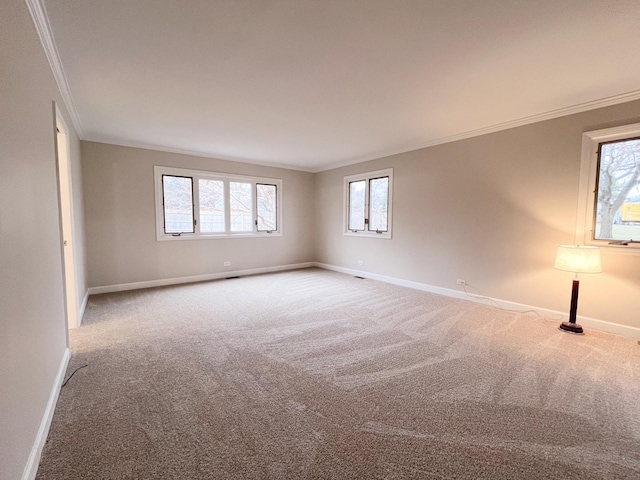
x=519, y=122
x=560, y=112
x=192, y=153
x=38, y=13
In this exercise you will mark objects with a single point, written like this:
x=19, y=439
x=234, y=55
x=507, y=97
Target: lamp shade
x=578, y=259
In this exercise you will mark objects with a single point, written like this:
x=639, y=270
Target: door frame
x=65, y=205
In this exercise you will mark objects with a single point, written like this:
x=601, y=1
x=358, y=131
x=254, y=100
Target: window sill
x=213, y=236
x=631, y=249
x=385, y=235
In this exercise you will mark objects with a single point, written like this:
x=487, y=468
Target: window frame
x=588, y=189
x=193, y=204
x=257, y=221
x=196, y=175
x=367, y=177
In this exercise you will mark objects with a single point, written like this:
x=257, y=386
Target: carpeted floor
x=312, y=374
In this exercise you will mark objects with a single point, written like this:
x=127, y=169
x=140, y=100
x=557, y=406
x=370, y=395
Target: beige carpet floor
x=312, y=374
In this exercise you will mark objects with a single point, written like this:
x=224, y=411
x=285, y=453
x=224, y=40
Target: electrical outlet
x=227, y=264
x=360, y=263
x=461, y=282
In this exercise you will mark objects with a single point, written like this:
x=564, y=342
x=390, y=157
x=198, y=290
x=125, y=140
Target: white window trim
x=159, y=171
x=587, y=193
x=388, y=172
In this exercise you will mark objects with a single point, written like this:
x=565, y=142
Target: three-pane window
x=196, y=204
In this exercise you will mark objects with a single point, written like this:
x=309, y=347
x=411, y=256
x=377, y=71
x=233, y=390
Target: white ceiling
x=315, y=84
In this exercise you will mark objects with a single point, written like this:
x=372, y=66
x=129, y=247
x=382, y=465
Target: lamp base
x=571, y=328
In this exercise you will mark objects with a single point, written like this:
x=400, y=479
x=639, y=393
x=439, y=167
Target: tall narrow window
x=178, y=204
x=266, y=207
x=368, y=204
x=357, y=204
x=211, y=200
x=240, y=207
x=378, y=203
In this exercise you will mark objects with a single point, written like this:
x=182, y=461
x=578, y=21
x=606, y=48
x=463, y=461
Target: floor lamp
x=577, y=259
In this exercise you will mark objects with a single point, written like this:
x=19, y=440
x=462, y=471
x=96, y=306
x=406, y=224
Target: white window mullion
x=227, y=207
x=254, y=207
x=196, y=204
x=367, y=205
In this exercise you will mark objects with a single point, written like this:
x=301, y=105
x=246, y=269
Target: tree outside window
x=618, y=192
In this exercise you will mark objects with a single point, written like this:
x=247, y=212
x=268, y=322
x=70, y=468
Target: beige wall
x=120, y=221
x=491, y=210
x=33, y=335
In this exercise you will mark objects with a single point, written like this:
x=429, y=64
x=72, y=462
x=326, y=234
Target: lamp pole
x=577, y=259
x=571, y=326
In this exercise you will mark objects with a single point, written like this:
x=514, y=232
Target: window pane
x=178, y=204
x=240, y=207
x=211, y=196
x=356, y=205
x=266, y=207
x=378, y=202
x=618, y=202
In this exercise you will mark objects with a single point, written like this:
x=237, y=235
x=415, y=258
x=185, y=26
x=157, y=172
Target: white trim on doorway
x=65, y=204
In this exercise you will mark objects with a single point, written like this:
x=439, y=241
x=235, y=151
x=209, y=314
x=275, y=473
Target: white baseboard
x=31, y=468
x=593, y=323
x=83, y=307
x=589, y=322
x=196, y=278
